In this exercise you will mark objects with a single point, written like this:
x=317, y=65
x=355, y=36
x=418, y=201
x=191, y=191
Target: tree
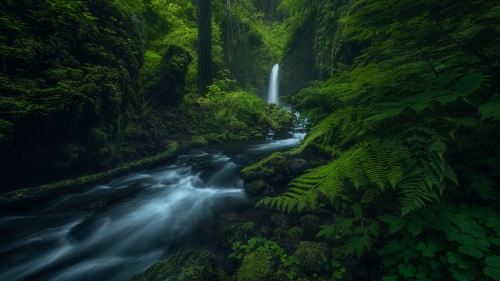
x=204, y=23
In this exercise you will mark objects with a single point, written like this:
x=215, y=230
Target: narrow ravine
x=116, y=230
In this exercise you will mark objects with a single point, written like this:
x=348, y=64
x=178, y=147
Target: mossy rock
x=239, y=232
x=198, y=141
x=281, y=221
x=289, y=239
x=166, y=83
x=310, y=224
x=190, y=265
x=272, y=170
x=256, y=266
x=256, y=187
x=314, y=257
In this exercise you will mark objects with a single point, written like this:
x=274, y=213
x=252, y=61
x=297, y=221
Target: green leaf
x=346, y=225
x=366, y=241
x=414, y=228
x=375, y=229
x=492, y=222
x=471, y=251
x=420, y=106
x=468, y=84
x=407, y=270
x=394, y=104
x=356, y=208
x=446, y=99
x=492, y=272
x=482, y=244
x=385, y=114
x=490, y=109
x=465, y=239
x=493, y=261
x=445, y=78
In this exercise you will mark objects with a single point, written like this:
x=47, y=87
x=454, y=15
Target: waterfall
x=273, y=85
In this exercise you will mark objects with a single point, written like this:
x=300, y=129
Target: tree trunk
x=229, y=41
x=204, y=22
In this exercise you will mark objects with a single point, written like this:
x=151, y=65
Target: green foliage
x=410, y=123
x=68, y=79
x=256, y=244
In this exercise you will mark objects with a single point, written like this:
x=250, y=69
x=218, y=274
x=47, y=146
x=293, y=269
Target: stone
x=257, y=187
x=314, y=257
x=190, y=265
x=281, y=221
x=272, y=170
x=297, y=165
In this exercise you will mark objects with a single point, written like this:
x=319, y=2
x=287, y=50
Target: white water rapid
x=273, y=85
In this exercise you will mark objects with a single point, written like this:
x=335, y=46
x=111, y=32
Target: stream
x=116, y=230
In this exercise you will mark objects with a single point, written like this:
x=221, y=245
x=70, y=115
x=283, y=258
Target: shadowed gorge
x=247, y=140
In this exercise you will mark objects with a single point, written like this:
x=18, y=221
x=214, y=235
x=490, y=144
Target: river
x=118, y=229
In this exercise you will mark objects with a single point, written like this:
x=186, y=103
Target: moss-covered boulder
x=272, y=170
x=314, y=257
x=310, y=224
x=289, y=239
x=166, y=83
x=281, y=221
x=239, y=232
x=256, y=266
x=190, y=265
x=198, y=141
x=256, y=187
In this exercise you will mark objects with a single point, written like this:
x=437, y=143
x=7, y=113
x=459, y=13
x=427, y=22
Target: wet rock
x=272, y=170
x=190, y=265
x=297, y=165
x=281, y=221
x=314, y=257
x=310, y=224
x=257, y=187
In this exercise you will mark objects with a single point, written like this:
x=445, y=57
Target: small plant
x=264, y=245
x=338, y=270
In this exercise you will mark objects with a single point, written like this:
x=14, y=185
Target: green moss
x=256, y=266
x=255, y=187
x=281, y=221
x=198, y=141
x=190, y=265
x=239, y=232
x=272, y=169
x=314, y=257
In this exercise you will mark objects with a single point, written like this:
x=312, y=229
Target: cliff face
x=68, y=83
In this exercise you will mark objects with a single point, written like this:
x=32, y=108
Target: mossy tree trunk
x=204, y=22
x=229, y=41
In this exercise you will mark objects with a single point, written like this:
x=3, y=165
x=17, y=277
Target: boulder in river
x=190, y=265
x=272, y=170
x=256, y=187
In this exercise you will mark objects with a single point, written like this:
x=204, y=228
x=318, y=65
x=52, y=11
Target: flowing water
x=273, y=85
x=116, y=230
